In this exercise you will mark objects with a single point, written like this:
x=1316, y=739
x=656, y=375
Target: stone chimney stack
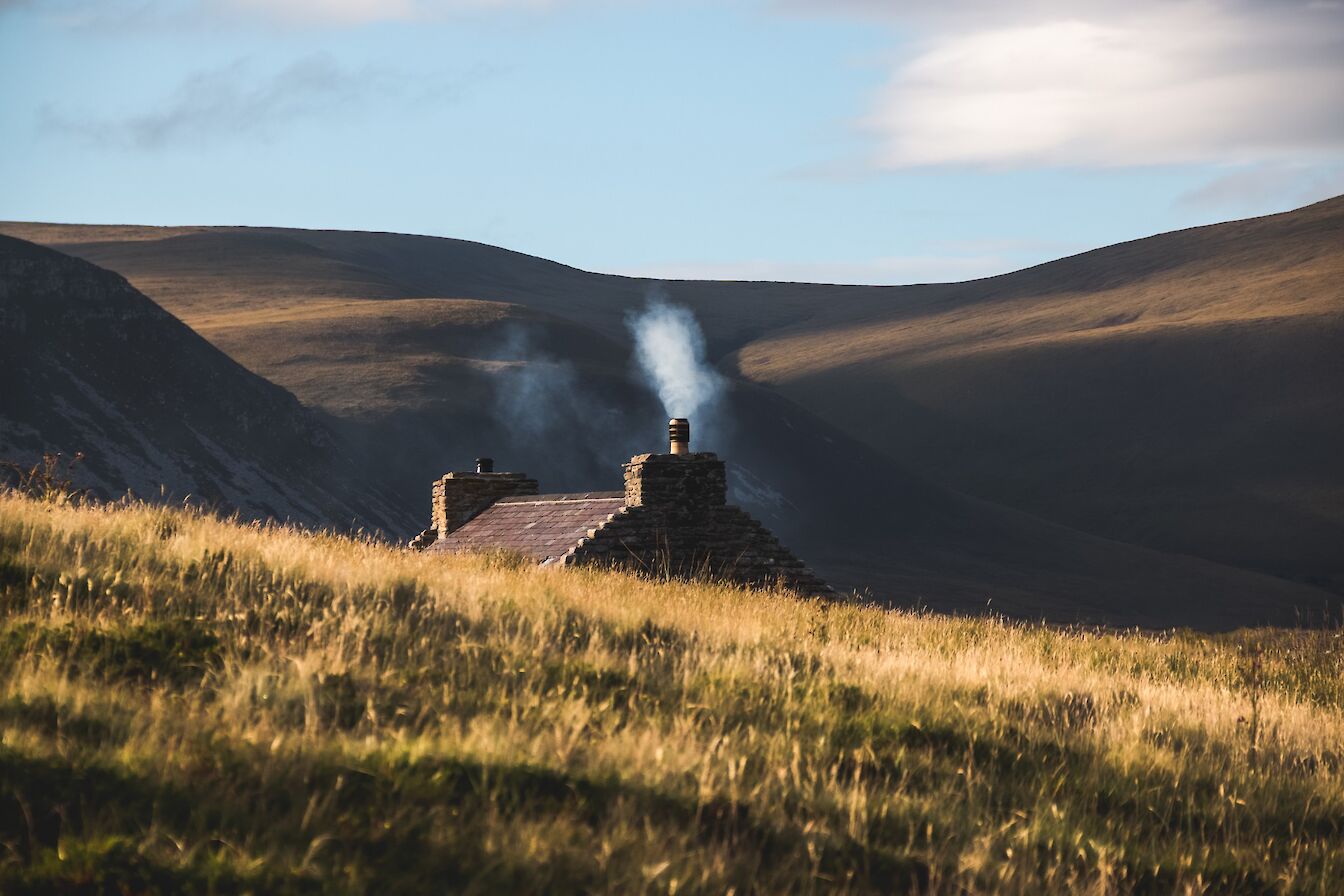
x=680, y=482
x=460, y=496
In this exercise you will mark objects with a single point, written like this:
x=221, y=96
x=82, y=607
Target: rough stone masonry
x=672, y=519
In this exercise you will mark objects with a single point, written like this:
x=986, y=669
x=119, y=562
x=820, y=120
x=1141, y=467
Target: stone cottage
x=672, y=518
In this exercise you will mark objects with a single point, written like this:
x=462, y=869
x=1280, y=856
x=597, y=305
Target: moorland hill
x=91, y=366
x=1143, y=433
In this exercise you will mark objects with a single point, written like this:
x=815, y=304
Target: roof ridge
x=561, y=498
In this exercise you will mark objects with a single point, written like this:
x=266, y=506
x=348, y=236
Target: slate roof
x=538, y=526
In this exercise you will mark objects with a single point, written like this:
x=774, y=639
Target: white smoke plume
x=566, y=428
x=670, y=349
x=535, y=393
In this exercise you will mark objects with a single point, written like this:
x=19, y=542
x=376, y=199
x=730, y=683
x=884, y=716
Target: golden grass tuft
x=192, y=703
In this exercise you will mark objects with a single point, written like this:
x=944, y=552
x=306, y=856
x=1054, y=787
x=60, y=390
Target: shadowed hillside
x=1184, y=391
x=89, y=364
x=1179, y=392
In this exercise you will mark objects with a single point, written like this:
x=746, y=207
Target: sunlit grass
x=193, y=703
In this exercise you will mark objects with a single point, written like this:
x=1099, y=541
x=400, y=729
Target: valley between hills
x=1145, y=434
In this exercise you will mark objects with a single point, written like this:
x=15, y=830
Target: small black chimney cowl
x=485, y=465
x=679, y=435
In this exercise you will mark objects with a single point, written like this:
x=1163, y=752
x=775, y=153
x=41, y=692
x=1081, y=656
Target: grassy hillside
x=1181, y=393
x=190, y=701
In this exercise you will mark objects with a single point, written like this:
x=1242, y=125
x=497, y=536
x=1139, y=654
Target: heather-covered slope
x=90, y=365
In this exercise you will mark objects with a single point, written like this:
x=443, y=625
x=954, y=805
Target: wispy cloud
x=236, y=101
x=1090, y=84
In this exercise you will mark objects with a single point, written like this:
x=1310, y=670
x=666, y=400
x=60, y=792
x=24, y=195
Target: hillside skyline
x=1134, y=395
x=122, y=228
x=766, y=140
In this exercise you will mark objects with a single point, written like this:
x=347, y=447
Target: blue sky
x=832, y=140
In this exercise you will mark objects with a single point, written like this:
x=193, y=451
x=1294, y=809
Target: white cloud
x=1085, y=84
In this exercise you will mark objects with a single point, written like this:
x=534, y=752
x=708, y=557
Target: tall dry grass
x=195, y=704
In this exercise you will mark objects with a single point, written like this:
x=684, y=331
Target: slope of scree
x=91, y=365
